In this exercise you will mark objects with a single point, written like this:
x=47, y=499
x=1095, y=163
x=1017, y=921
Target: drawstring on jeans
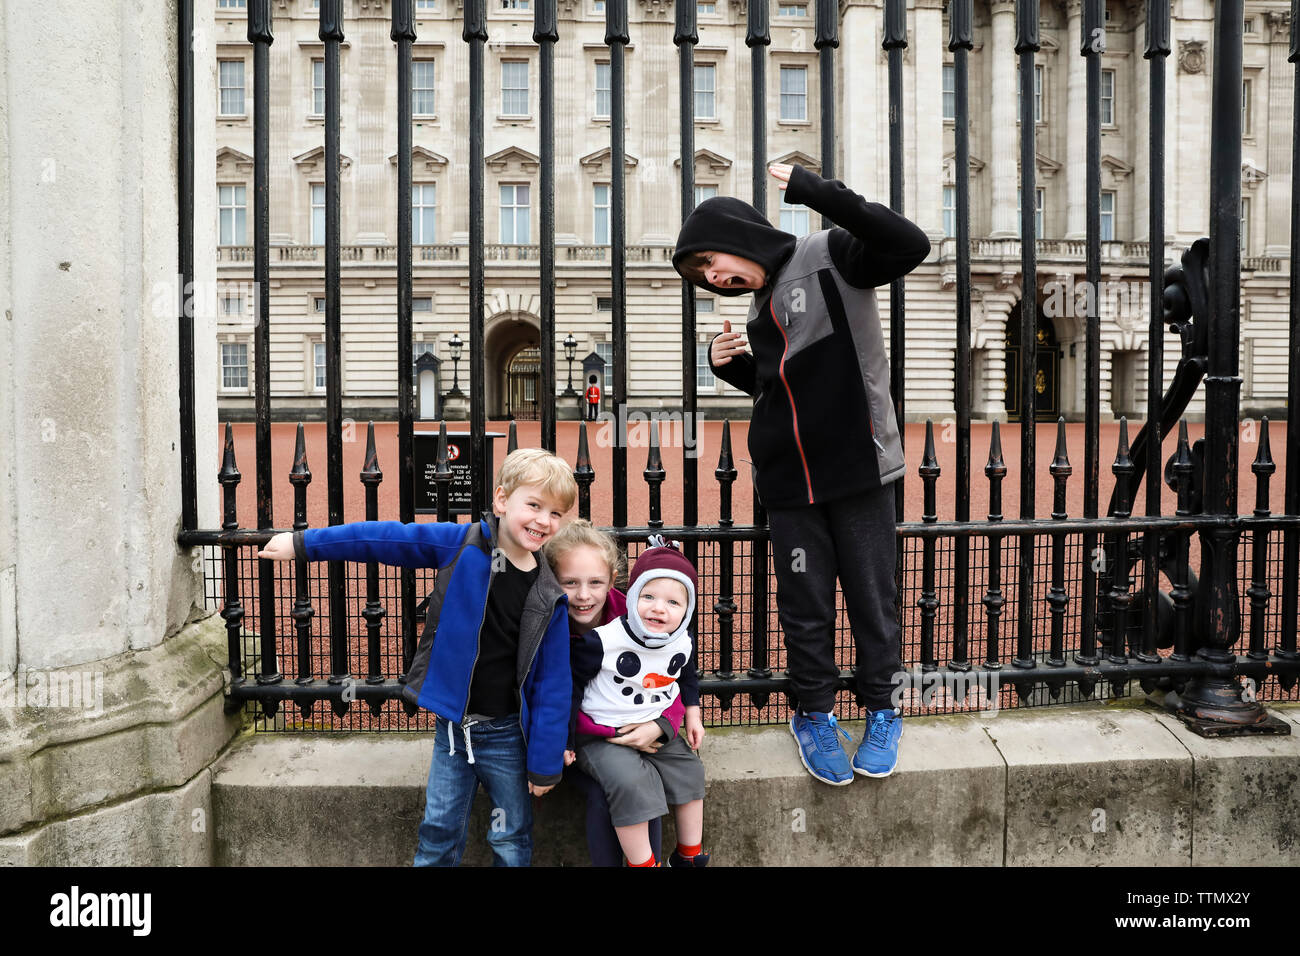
x=469, y=743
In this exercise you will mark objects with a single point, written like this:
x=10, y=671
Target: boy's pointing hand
x=726, y=345
x=279, y=548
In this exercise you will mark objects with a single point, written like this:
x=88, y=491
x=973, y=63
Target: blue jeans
x=500, y=765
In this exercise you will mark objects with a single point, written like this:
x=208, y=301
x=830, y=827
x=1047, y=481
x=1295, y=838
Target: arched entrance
x=1047, y=369
x=512, y=358
x=524, y=385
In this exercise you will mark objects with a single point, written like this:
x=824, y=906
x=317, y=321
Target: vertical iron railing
x=1204, y=628
x=1092, y=23
x=1157, y=50
x=259, y=34
x=185, y=257
x=403, y=34
x=545, y=34
x=616, y=39
x=685, y=36
x=960, y=42
x=1026, y=47
x=475, y=34
x=757, y=38
x=331, y=34
x=1291, y=503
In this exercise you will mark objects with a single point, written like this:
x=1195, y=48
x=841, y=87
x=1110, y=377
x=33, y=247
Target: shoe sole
x=799, y=748
x=867, y=773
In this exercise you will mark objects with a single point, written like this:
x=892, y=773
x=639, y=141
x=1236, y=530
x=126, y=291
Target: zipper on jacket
x=478, y=636
x=794, y=414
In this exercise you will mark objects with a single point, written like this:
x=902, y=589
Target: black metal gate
x=1079, y=606
x=523, y=385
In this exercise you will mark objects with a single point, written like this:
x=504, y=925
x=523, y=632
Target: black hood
x=726, y=224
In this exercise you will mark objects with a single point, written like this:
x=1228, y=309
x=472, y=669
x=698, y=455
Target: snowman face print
x=648, y=687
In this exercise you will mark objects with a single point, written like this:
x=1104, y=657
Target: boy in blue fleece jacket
x=493, y=660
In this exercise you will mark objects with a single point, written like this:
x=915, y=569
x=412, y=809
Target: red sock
x=690, y=851
x=649, y=862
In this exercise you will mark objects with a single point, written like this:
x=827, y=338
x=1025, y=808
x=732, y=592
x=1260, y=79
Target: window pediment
x=433, y=162
x=231, y=161
x=313, y=161
x=600, y=158
x=717, y=164
x=798, y=157
x=512, y=158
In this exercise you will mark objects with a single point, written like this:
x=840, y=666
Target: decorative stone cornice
x=950, y=167
x=1118, y=168
x=233, y=160
x=717, y=164
x=314, y=159
x=433, y=162
x=502, y=158
x=798, y=157
x=656, y=9
x=1279, y=25
x=601, y=158
x=1252, y=175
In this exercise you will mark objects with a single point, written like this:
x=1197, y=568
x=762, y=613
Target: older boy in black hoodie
x=823, y=436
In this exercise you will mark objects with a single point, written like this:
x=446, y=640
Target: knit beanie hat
x=661, y=560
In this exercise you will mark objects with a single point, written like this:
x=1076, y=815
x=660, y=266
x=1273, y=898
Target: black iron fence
x=1025, y=610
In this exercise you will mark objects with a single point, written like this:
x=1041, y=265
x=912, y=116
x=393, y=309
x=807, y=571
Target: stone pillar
x=1076, y=90
x=1140, y=78
x=1005, y=148
x=928, y=44
x=1281, y=92
x=110, y=671
x=866, y=143
x=375, y=55
x=652, y=185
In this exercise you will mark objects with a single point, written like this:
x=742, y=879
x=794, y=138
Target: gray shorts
x=641, y=786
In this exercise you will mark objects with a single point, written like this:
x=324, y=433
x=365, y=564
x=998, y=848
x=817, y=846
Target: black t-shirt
x=493, y=691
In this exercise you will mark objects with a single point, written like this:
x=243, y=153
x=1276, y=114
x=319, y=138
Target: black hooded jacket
x=823, y=425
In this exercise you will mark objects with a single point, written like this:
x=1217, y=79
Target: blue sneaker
x=820, y=749
x=877, y=756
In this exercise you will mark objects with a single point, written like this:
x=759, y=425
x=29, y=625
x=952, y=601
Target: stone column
x=375, y=57
x=928, y=44
x=1005, y=143
x=1281, y=91
x=865, y=144
x=1140, y=78
x=1076, y=90
x=110, y=671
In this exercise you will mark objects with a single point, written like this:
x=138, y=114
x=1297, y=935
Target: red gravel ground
x=282, y=444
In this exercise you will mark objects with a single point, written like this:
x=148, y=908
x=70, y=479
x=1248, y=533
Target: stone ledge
x=162, y=721
x=1016, y=788
x=171, y=828
x=1247, y=803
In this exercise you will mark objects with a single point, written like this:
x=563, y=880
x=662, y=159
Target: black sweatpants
x=855, y=539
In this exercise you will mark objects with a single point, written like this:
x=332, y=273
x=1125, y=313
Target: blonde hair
x=581, y=533
x=534, y=466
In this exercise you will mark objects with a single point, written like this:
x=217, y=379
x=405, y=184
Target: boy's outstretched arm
x=429, y=545
x=874, y=245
